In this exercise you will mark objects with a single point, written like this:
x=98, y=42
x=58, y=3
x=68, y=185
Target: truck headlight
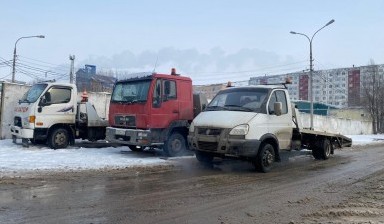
x=240, y=130
x=192, y=128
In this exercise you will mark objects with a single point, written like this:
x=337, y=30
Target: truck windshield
x=33, y=93
x=131, y=92
x=248, y=99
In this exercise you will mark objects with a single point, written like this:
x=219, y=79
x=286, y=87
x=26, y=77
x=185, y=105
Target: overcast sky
x=211, y=41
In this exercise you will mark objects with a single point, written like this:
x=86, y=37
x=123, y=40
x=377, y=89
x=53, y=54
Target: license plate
x=120, y=132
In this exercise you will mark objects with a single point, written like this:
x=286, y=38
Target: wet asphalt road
x=298, y=190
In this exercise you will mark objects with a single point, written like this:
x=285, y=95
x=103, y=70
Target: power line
x=43, y=62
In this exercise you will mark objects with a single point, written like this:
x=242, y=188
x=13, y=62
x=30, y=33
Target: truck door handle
x=175, y=111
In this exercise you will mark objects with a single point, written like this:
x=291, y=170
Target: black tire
x=135, y=148
x=204, y=158
x=175, y=145
x=265, y=158
x=58, y=139
x=322, y=150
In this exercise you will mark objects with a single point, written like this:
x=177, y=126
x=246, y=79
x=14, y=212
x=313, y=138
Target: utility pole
x=71, y=73
x=311, y=67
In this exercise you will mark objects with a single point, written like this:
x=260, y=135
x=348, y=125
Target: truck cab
x=154, y=110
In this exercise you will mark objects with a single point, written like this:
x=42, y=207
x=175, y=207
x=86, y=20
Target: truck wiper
x=24, y=101
x=238, y=108
x=209, y=108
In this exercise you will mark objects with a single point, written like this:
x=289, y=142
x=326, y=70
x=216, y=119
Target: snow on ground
x=14, y=158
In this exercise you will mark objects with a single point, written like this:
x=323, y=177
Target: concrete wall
x=11, y=93
x=337, y=125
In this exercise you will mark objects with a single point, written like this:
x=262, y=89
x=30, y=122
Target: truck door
x=56, y=106
x=165, y=107
x=281, y=125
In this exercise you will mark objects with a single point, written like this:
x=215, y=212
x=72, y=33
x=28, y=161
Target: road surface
x=347, y=188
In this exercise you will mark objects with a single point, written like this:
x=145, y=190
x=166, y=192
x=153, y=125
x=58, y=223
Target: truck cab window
x=164, y=90
x=58, y=95
x=169, y=90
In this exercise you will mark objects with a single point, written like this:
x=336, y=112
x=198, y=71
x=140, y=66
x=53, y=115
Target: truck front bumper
x=129, y=136
x=224, y=145
x=19, y=132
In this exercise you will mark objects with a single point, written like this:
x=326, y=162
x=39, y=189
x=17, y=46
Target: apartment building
x=340, y=87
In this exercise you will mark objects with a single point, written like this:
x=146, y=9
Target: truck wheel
x=322, y=150
x=204, y=158
x=58, y=139
x=265, y=158
x=135, y=148
x=175, y=145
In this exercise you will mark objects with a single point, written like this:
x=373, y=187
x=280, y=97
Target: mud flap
x=25, y=142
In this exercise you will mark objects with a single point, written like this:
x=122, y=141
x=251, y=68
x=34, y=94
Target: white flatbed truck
x=255, y=123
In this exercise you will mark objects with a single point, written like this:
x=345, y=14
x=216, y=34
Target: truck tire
x=135, y=148
x=175, y=145
x=204, y=158
x=322, y=149
x=265, y=158
x=58, y=139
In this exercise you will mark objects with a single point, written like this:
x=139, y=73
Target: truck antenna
x=154, y=68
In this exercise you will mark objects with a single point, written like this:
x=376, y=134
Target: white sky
x=207, y=40
x=15, y=160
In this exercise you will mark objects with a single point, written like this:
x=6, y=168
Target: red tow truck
x=154, y=110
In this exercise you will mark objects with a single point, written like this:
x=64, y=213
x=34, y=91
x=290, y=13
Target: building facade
x=340, y=87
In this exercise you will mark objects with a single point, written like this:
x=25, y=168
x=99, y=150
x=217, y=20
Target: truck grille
x=211, y=146
x=209, y=131
x=17, y=122
x=125, y=121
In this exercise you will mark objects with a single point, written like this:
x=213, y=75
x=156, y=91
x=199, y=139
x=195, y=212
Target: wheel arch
x=180, y=126
x=272, y=140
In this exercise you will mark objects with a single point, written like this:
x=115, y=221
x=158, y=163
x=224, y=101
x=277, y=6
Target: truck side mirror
x=45, y=100
x=277, y=106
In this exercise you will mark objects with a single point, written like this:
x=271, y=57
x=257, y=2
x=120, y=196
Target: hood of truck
x=223, y=119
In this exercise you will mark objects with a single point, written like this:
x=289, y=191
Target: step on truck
x=153, y=110
x=255, y=123
x=49, y=113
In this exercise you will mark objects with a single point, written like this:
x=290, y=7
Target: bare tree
x=373, y=95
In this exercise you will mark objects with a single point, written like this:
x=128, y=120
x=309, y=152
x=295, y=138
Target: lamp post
x=311, y=66
x=14, y=54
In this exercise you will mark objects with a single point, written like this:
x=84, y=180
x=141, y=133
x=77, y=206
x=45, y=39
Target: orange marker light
x=31, y=119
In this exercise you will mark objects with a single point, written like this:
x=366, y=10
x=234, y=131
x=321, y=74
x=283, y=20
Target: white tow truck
x=255, y=123
x=49, y=113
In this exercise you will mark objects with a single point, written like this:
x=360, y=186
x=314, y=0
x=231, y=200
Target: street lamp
x=14, y=54
x=311, y=66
